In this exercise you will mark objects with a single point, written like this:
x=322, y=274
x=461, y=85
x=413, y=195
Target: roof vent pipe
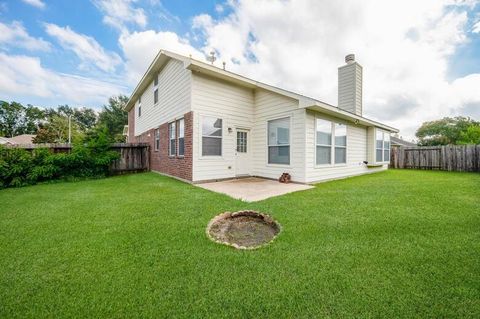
x=350, y=58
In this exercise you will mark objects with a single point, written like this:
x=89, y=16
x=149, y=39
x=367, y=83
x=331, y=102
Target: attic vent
x=350, y=58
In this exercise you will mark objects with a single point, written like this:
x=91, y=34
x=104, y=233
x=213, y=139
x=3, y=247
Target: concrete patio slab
x=252, y=189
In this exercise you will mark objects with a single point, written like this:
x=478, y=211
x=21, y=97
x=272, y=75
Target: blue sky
x=466, y=59
x=421, y=59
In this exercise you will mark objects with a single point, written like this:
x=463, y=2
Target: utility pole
x=70, y=129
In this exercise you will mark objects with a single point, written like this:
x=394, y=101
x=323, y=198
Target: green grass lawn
x=392, y=244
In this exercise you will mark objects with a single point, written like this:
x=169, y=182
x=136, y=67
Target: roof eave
x=337, y=112
x=304, y=101
x=213, y=71
x=203, y=68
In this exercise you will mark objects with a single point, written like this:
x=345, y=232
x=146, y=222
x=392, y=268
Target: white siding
x=270, y=106
x=358, y=90
x=243, y=108
x=173, y=98
x=371, y=145
x=181, y=91
x=234, y=105
x=350, y=88
x=356, y=152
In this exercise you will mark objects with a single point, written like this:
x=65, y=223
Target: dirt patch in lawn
x=243, y=230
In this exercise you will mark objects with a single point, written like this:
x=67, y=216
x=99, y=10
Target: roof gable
x=197, y=66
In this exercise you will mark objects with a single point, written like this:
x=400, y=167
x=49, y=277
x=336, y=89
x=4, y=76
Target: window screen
x=211, y=136
x=279, y=141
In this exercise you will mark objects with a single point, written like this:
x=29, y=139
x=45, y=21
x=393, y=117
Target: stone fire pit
x=243, y=230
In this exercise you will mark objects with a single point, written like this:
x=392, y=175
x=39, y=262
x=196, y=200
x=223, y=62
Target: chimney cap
x=350, y=58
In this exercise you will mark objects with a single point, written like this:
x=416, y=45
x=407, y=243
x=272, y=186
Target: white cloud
x=85, y=47
x=15, y=35
x=476, y=27
x=36, y=3
x=163, y=13
x=140, y=48
x=219, y=8
x=404, y=47
x=25, y=76
x=119, y=13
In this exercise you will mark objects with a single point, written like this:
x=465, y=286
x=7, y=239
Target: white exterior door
x=242, y=161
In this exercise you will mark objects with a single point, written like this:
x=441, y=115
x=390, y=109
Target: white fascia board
x=203, y=68
x=207, y=69
x=337, y=112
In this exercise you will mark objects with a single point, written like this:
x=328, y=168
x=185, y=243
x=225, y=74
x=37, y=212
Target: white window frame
x=324, y=145
x=289, y=117
x=155, y=89
x=384, y=133
x=200, y=127
x=170, y=125
x=340, y=146
x=156, y=140
x=332, y=144
x=179, y=137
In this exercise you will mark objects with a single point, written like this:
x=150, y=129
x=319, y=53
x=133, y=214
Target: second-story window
x=155, y=90
x=139, y=106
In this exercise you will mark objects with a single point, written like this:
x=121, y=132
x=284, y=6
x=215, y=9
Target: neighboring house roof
x=5, y=140
x=23, y=139
x=201, y=67
x=398, y=141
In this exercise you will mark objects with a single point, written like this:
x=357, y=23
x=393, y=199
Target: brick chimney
x=350, y=86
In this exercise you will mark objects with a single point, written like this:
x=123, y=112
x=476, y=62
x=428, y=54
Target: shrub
x=42, y=168
x=15, y=166
x=19, y=167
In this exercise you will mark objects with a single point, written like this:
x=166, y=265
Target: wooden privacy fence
x=134, y=157
x=461, y=158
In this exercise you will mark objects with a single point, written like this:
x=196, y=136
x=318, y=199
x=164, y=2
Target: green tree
x=445, y=131
x=12, y=118
x=471, y=135
x=34, y=117
x=113, y=118
x=55, y=127
x=65, y=110
x=56, y=131
x=51, y=125
x=86, y=118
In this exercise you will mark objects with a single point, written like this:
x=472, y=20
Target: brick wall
x=131, y=125
x=179, y=166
